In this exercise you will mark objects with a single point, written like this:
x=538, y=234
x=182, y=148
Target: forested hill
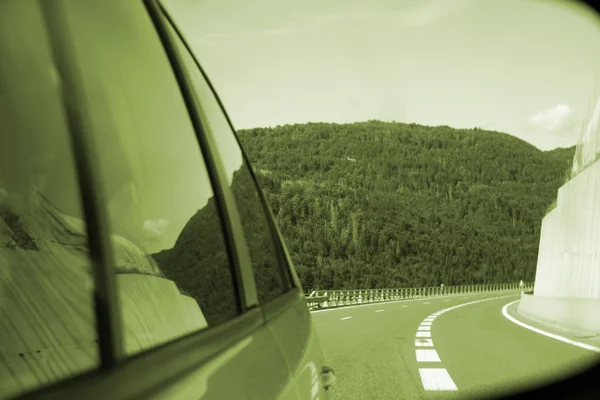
x=381, y=205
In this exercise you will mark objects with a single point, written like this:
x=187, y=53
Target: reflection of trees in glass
x=199, y=265
x=258, y=236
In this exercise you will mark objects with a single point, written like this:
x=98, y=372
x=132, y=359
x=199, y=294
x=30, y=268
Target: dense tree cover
x=199, y=265
x=380, y=205
x=198, y=262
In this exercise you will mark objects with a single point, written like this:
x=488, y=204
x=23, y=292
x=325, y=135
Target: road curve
x=445, y=347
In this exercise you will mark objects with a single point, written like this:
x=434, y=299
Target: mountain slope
x=376, y=204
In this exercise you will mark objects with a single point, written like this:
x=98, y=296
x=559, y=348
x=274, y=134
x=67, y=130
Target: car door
x=176, y=310
x=279, y=289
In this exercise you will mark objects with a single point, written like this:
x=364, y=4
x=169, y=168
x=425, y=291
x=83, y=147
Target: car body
x=138, y=256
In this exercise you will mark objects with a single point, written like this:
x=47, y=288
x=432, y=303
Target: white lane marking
x=423, y=342
x=436, y=379
x=428, y=355
x=379, y=311
x=345, y=318
x=471, y=302
x=541, y=332
x=404, y=306
x=427, y=302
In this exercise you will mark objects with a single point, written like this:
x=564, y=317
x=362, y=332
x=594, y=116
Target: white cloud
x=154, y=228
x=554, y=119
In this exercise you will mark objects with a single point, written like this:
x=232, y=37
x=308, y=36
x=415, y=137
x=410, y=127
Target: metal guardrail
x=338, y=298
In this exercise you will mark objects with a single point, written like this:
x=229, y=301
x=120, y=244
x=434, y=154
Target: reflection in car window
x=268, y=274
x=47, y=323
x=173, y=270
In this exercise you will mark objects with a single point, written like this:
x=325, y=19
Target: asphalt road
x=471, y=350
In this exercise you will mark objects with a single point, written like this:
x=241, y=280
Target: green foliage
x=551, y=207
x=375, y=204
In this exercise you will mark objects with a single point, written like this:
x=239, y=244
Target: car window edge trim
x=281, y=304
x=287, y=275
x=246, y=294
x=106, y=303
x=168, y=362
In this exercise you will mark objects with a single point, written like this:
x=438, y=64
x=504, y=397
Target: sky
x=529, y=68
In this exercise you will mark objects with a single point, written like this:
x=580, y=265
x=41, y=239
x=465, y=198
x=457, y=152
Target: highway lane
x=487, y=354
x=372, y=349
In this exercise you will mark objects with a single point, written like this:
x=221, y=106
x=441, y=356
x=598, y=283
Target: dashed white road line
x=423, y=342
x=404, y=306
x=541, y=332
x=345, y=318
x=436, y=379
x=428, y=355
x=378, y=310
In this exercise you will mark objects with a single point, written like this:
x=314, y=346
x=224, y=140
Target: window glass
x=269, y=274
x=173, y=270
x=47, y=323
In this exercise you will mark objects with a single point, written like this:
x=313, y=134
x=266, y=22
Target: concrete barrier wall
x=569, y=253
x=578, y=314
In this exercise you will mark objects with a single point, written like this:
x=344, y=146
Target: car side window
x=173, y=269
x=270, y=277
x=47, y=322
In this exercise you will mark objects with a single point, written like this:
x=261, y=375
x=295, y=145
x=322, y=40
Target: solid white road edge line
x=541, y=332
